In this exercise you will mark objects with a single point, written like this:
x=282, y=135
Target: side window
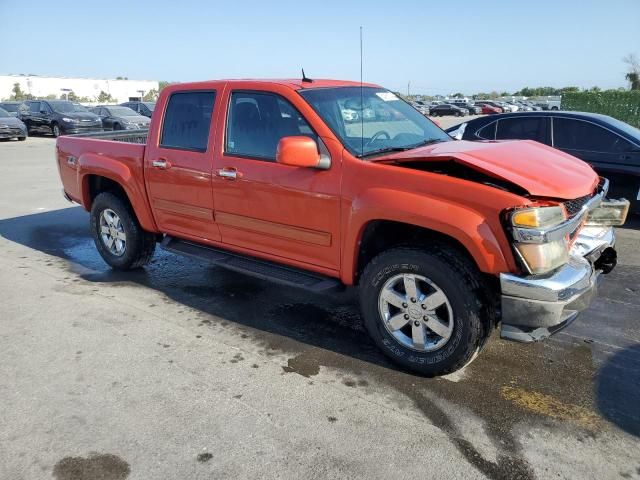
x=488, y=132
x=257, y=121
x=187, y=120
x=525, y=128
x=578, y=135
x=34, y=107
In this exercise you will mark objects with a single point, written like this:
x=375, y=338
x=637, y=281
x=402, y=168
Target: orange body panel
x=312, y=218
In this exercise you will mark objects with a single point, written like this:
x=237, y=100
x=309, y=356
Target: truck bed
x=76, y=153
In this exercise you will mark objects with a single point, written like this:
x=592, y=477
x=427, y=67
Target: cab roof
x=293, y=83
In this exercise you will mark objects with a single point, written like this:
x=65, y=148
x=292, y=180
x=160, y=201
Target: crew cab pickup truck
x=446, y=240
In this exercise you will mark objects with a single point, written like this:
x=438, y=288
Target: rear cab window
x=187, y=120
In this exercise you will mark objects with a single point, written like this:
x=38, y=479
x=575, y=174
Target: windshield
x=4, y=113
x=62, y=106
x=122, y=112
x=386, y=123
x=149, y=105
x=11, y=107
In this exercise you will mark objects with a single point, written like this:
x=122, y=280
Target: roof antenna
x=361, y=101
x=305, y=78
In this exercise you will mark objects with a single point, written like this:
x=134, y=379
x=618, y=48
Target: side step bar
x=290, y=276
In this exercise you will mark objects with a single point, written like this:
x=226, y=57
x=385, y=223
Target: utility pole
x=409, y=88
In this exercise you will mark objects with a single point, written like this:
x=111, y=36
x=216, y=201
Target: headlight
x=609, y=212
x=544, y=257
x=538, y=217
x=70, y=120
x=540, y=256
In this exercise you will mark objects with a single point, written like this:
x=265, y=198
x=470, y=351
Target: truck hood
x=540, y=170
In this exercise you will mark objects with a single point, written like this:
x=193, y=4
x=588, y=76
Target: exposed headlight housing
x=544, y=257
x=609, y=213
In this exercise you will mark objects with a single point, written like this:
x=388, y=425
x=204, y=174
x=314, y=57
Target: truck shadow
x=327, y=331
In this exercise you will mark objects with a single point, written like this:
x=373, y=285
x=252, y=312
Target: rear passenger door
x=178, y=164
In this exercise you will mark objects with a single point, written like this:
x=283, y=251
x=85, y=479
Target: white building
x=121, y=90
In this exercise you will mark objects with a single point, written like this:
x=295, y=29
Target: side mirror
x=301, y=151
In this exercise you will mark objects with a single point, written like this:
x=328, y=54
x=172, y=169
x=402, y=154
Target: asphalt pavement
x=186, y=371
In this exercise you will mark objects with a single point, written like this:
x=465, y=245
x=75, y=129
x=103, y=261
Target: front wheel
x=55, y=130
x=425, y=309
x=117, y=234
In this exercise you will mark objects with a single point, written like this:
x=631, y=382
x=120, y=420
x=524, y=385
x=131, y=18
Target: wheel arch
x=372, y=230
x=103, y=174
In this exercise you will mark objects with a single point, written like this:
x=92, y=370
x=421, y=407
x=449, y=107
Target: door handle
x=161, y=163
x=229, y=173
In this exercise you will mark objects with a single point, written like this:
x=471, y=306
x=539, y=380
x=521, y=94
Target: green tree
x=104, y=97
x=18, y=94
x=633, y=75
x=151, y=95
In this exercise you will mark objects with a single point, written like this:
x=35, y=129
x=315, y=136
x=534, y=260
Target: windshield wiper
x=402, y=149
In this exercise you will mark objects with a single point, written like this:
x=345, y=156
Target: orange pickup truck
x=321, y=184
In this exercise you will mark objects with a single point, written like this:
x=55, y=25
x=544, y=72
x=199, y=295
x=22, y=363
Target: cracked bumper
x=537, y=306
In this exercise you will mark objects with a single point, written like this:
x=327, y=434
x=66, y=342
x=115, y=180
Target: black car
x=143, y=108
x=611, y=147
x=471, y=108
x=116, y=117
x=448, y=109
x=12, y=107
x=58, y=117
x=11, y=127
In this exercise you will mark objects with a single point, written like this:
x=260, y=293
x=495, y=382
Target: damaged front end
x=555, y=290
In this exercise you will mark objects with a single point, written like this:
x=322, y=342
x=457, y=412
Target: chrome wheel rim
x=112, y=232
x=416, y=312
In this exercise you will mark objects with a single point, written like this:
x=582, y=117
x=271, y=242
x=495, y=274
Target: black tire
x=55, y=130
x=140, y=245
x=22, y=139
x=460, y=281
x=117, y=126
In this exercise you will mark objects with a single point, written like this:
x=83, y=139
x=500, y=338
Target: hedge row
x=623, y=105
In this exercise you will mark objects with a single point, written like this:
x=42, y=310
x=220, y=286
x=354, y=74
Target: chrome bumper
x=535, y=307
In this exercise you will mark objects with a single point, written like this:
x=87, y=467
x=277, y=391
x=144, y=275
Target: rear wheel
x=22, y=139
x=118, y=236
x=425, y=309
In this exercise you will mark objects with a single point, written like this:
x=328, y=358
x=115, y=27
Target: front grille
x=573, y=207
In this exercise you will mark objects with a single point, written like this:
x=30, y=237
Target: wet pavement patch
x=94, y=467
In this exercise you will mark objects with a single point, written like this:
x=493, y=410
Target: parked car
x=490, y=109
x=471, y=108
x=448, y=109
x=11, y=127
x=498, y=108
x=445, y=240
x=116, y=117
x=610, y=146
x=58, y=117
x=143, y=108
x=422, y=107
x=11, y=107
x=507, y=107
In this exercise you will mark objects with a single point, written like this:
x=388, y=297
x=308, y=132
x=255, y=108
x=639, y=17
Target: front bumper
x=12, y=132
x=70, y=128
x=537, y=306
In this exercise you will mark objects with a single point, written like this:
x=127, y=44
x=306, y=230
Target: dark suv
x=58, y=117
x=143, y=108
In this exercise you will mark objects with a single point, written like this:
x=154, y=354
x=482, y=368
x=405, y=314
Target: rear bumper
x=535, y=307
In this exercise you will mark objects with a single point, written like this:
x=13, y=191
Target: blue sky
x=438, y=46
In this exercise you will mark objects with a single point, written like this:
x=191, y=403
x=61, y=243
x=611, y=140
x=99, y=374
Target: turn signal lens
x=538, y=217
